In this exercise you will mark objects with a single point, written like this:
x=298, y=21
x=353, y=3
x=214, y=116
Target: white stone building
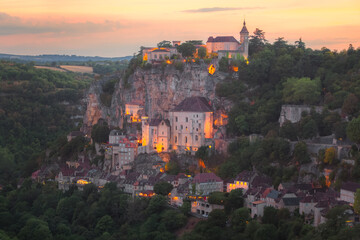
x=191, y=124
x=155, y=135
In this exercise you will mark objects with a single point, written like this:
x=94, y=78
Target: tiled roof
x=291, y=201
x=350, y=186
x=273, y=194
x=244, y=29
x=206, y=177
x=222, y=39
x=245, y=176
x=193, y=104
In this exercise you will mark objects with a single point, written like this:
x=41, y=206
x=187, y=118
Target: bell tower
x=244, y=40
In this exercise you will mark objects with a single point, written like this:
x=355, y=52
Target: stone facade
x=155, y=135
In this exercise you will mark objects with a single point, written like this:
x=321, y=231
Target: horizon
x=115, y=28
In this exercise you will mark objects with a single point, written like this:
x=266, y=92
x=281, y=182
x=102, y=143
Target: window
x=196, y=137
x=162, y=123
x=181, y=127
x=162, y=133
x=175, y=127
x=186, y=128
x=155, y=56
x=176, y=119
x=160, y=56
x=185, y=139
x=175, y=139
x=199, y=125
x=187, y=119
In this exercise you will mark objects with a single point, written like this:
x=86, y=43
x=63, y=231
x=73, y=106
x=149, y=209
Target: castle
x=223, y=46
x=228, y=46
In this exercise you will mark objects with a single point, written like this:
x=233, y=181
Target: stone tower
x=244, y=40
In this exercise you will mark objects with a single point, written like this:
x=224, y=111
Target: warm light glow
x=201, y=163
x=235, y=69
x=159, y=148
x=161, y=169
x=145, y=57
x=168, y=61
x=212, y=69
x=82, y=182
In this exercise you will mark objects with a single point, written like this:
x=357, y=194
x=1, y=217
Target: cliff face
x=160, y=88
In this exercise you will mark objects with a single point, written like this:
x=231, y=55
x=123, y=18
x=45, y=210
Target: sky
x=115, y=28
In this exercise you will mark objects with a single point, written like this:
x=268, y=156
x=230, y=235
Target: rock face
x=293, y=113
x=160, y=88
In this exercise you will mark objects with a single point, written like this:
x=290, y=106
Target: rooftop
x=193, y=104
x=350, y=186
x=222, y=39
x=206, y=177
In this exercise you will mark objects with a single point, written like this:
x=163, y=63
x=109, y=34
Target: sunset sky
x=113, y=28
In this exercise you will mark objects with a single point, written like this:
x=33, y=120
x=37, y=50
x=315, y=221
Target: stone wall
x=293, y=113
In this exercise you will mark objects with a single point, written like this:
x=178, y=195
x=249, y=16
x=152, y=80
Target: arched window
x=175, y=139
x=185, y=139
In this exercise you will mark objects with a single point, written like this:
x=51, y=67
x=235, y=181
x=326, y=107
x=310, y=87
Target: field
x=51, y=68
x=80, y=69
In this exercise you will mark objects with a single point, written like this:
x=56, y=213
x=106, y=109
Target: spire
x=244, y=29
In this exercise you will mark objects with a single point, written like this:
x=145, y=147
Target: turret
x=244, y=40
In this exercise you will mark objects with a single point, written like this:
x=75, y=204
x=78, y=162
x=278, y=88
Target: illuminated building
x=132, y=110
x=243, y=180
x=124, y=152
x=228, y=46
x=191, y=124
x=155, y=135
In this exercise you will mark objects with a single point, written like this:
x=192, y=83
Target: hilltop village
x=167, y=122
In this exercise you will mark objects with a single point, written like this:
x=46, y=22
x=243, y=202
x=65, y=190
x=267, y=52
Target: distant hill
x=59, y=58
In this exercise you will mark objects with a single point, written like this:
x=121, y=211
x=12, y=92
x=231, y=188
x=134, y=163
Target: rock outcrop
x=161, y=88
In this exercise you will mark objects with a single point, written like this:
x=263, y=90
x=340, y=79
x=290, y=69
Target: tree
x=302, y=90
x=357, y=201
x=235, y=200
x=105, y=224
x=300, y=44
x=202, y=52
x=301, y=154
x=186, y=49
x=239, y=219
x=163, y=188
x=257, y=41
x=35, y=229
x=266, y=232
x=270, y=216
x=353, y=130
x=224, y=64
x=157, y=204
x=217, y=198
x=195, y=42
x=350, y=105
x=330, y=155
x=100, y=133
x=164, y=44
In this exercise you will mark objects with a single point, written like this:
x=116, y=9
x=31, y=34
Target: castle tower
x=244, y=40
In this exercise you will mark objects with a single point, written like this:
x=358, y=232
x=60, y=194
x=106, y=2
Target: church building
x=228, y=46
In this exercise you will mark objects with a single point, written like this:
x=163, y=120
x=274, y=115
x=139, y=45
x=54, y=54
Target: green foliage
x=224, y=64
x=100, y=133
x=163, y=188
x=33, y=113
x=186, y=49
x=202, y=52
x=353, y=130
x=301, y=154
x=217, y=198
x=357, y=201
x=164, y=44
x=179, y=66
x=302, y=91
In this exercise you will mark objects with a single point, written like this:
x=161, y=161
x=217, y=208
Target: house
x=203, y=207
x=206, y=183
x=74, y=134
x=133, y=111
x=155, y=54
x=347, y=192
x=242, y=180
x=228, y=46
x=115, y=136
x=257, y=208
x=123, y=153
x=191, y=124
x=155, y=135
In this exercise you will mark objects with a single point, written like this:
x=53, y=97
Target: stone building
x=191, y=124
x=133, y=109
x=228, y=46
x=123, y=153
x=155, y=135
x=206, y=183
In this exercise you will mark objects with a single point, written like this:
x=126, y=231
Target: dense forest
x=36, y=106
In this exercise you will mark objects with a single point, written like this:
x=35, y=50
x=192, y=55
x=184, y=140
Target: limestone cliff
x=161, y=88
